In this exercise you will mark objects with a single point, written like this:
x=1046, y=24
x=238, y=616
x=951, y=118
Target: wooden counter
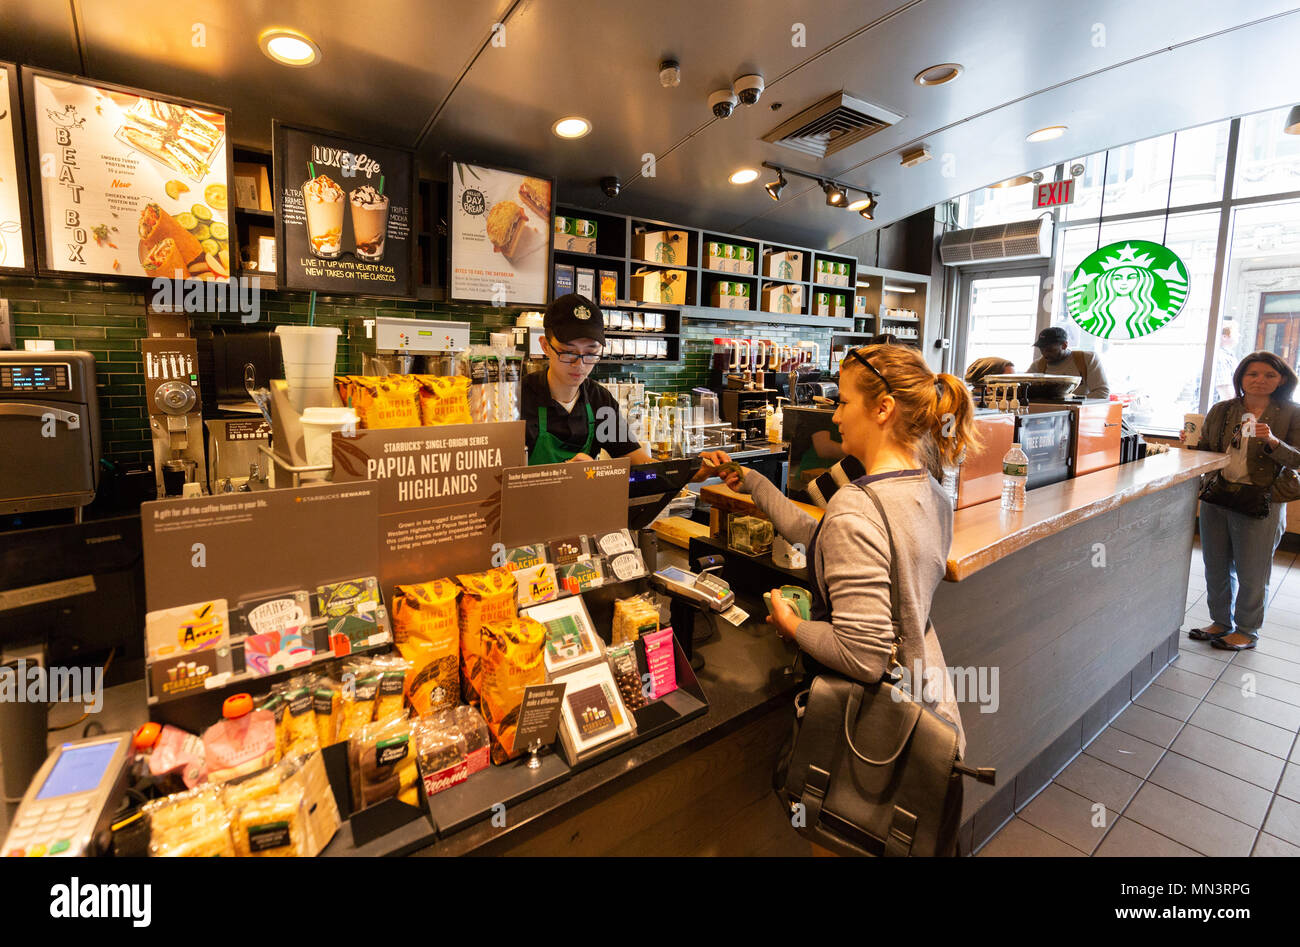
x=983, y=534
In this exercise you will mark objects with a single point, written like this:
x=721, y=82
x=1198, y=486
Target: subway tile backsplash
x=108, y=320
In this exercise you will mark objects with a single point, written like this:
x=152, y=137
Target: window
x=1000, y=205
x=1003, y=319
x=1159, y=375
x=1268, y=159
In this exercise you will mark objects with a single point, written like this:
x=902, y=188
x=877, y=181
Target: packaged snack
x=320, y=811
x=581, y=575
x=175, y=756
x=441, y=753
x=242, y=742
x=634, y=617
x=537, y=584
x=300, y=718
x=494, y=381
x=512, y=660
x=393, y=670
x=487, y=596
x=327, y=704
x=381, y=761
x=471, y=725
x=380, y=402
x=443, y=400
x=627, y=675
x=192, y=823
x=661, y=659
x=426, y=628
x=359, y=698
x=236, y=793
x=271, y=825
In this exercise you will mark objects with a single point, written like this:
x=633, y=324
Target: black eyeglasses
x=572, y=358
x=872, y=368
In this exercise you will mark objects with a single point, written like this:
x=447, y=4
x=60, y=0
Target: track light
x=774, y=188
x=834, y=194
x=866, y=212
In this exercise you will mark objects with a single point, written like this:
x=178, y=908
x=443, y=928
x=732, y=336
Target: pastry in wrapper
x=487, y=596
x=634, y=617
x=327, y=704
x=513, y=659
x=192, y=823
x=382, y=762
x=271, y=825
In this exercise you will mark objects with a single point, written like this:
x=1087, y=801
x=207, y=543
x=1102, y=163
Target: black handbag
x=1244, y=498
x=869, y=770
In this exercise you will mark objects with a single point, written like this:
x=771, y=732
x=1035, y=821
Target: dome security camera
x=749, y=88
x=723, y=103
x=610, y=186
x=670, y=73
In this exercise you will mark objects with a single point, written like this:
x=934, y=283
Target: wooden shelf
x=710, y=314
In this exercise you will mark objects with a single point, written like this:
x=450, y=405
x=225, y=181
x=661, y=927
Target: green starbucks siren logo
x=1127, y=290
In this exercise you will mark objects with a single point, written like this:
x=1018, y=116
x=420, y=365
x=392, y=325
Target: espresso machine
x=171, y=389
x=387, y=345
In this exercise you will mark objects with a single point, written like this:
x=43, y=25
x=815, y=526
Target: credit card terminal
x=708, y=590
x=71, y=801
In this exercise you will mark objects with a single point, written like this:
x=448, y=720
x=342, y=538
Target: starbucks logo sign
x=1127, y=290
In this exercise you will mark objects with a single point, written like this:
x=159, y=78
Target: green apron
x=548, y=448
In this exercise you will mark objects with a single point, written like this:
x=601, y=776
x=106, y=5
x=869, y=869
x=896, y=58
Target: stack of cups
x=318, y=427
x=309, y=353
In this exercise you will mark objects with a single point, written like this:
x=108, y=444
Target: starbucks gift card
x=592, y=713
x=185, y=629
x=358, y=597
x=628, y=565
x=523, y=557
x=278, y=612
x=273, y=651
x=348, y=633
x=612, y=544
x=170, y=678
x=536, y=584
x=571, y=639
x=566, y=551
x=581, y=575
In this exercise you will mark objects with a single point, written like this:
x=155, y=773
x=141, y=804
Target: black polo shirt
x=571, y=427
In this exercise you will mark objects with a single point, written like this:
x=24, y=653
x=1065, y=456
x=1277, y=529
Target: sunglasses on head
x=872, y=368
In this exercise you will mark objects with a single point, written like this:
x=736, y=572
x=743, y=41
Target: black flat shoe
x=1240, y=642
x=1200, y=634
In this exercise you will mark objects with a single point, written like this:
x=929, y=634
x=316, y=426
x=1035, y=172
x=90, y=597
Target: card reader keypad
x=48, y=828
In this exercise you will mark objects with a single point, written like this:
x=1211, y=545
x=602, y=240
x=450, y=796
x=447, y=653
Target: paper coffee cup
x=1192, y=426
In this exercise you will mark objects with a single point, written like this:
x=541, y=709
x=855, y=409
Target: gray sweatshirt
x=852, y=564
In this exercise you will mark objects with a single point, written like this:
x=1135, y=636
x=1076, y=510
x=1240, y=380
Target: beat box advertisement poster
x=15, y=236
x=439, y=493
x=343, y=224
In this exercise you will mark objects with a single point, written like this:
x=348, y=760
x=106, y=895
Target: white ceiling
x=427, y=74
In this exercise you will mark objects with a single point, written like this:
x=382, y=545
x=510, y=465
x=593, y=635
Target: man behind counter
x=1055, y=358
x=567, y=415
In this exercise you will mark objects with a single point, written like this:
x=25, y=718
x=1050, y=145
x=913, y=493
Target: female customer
x=989, y=365
x=902, y=422
x=1238, y=548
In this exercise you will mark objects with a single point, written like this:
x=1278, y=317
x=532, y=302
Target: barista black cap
x=1049, y=335
x=574, y=317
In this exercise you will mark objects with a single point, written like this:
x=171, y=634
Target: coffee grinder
x=171, y=392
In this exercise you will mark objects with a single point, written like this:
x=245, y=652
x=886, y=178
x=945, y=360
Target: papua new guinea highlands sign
x=1127, y=290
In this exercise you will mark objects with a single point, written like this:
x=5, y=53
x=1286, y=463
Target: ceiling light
x=1047, y=134
x=743, y=176
x=866, y=212
x=774, y=188
x=571, y=127
x=938, y=75
x=1018, y=180
x=1292, y=126
x=861, y=203
x=835, y=196
x=289, y=47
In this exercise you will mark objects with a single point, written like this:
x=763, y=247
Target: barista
x=1055, y=358
x=567, y=415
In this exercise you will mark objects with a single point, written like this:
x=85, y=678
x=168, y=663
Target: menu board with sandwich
x=343, y=220
x=131, y=183
x=500, y=235
x=15, y=232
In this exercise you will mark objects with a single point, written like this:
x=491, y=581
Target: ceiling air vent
x=1022, y=240
x=833, y=124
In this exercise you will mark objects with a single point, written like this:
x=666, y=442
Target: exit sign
x=1054, y=194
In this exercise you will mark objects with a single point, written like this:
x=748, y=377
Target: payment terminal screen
x=78, y=769
x=673, y=574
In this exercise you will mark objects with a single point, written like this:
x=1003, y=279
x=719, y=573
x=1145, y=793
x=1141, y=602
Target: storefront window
x=1268, y=159
x=1137, y=175
x=1000, y=205
x=1158, y=375
x=1261, y=288
x=1003, y=319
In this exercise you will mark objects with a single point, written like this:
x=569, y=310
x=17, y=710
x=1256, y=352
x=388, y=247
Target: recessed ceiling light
x=938, y=75
x=1047, y=134
x=571, y=127
x=289, y=47
x=861, y=203
x=1018, y=180
x=743, y=176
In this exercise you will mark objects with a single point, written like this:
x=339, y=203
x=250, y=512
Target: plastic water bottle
x=1015, y=471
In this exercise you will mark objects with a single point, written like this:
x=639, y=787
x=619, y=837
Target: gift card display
x=612, y=544
x=273, y=651
x=628, y=565
x=358, y=597
x=537, y=584
x=274, y=612
x=593, y=713
x=171, y=632
x=524, y=557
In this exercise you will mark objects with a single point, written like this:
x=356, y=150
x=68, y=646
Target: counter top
x=983, y=534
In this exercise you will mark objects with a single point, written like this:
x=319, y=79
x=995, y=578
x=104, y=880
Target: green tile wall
x=108, y=320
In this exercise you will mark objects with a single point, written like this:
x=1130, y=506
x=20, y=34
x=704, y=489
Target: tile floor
x=1204, y=762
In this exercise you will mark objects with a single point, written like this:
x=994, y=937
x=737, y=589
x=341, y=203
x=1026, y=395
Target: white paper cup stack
x=309, y=353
